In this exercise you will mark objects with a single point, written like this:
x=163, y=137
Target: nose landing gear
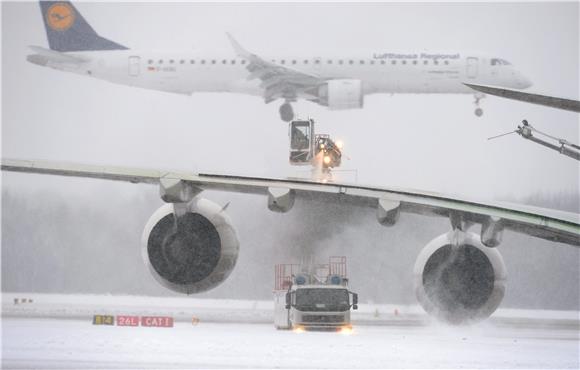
x=286, y=112
x=478, y=111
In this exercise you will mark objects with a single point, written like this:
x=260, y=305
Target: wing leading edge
x=542, y=223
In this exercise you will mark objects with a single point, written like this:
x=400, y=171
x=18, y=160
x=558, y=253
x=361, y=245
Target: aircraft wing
x=547, y=224
x=277, y=80
x=549, y=101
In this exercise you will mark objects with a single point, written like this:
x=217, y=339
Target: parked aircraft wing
x=547, y=224
x=56, y=56
x=549, y=101
x=277, y=80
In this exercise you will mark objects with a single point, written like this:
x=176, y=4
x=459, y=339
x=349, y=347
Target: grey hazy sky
x=428, y=142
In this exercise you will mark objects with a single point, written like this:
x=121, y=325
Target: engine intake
x=194, y=253
x=458, y=279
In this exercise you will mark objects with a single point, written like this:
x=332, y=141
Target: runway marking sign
x=103, y=320
x=127, y=320
x=131, y=320
x=157, y=321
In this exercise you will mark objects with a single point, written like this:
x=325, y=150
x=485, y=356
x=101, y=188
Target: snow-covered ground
x=239, y=334
x=181, y=308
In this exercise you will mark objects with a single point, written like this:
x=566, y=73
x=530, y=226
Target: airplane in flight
x=337, y=82
x=190, y=244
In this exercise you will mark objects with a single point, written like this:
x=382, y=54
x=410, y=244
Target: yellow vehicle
x=309, y=148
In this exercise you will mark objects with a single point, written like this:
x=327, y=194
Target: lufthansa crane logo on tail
x=60, y=17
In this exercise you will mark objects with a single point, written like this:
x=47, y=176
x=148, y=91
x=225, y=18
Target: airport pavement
x=57, y=331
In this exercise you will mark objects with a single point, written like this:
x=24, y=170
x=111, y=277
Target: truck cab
x=314, y=302
x=320, y=307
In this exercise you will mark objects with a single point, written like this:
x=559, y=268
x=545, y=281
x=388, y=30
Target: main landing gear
x=286, y=112
x=478, y=111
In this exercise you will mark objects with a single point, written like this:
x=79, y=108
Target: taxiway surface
x=62, y=343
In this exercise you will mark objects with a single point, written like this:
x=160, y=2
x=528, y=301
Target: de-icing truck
x=313, y=297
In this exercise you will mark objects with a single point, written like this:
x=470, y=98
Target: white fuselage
x=190, y=72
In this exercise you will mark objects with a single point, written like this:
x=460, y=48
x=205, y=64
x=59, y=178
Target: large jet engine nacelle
x=195, y=254
x=342, y=94
x=458, y=279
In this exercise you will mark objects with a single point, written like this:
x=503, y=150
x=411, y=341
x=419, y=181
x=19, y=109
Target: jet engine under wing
x=277, y=81
x=547, y=224
x=549, y=101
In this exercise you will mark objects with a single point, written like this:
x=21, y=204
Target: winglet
x=237, y=47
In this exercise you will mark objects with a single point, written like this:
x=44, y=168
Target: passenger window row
x=293, y=62
x=193, y=61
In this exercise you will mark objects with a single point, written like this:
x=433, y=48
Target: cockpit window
x=499, y=62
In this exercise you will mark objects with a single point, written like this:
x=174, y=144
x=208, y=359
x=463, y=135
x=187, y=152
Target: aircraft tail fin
x=67, y=29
